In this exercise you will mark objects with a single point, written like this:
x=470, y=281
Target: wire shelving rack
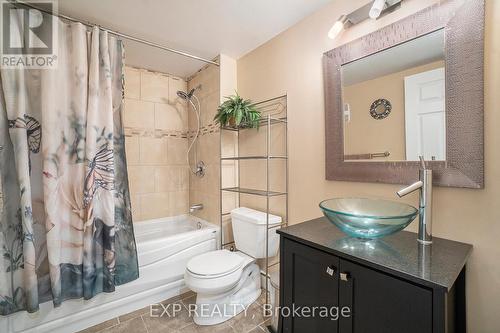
x=274, y=113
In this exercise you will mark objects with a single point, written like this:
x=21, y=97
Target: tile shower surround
x=158, y=127
x=205, y=190
x=156, y=124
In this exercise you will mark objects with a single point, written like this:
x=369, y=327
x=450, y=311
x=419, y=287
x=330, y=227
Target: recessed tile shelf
x=253, y=191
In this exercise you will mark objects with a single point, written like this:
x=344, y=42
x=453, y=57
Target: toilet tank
x=249, y=230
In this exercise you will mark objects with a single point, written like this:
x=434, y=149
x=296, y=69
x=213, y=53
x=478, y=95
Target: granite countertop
x=436, y=266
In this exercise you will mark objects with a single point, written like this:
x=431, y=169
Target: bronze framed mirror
x=430, y=67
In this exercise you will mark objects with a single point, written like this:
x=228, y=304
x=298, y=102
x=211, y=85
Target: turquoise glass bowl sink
x=368, y=218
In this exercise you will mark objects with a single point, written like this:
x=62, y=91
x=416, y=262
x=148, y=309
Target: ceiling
x=205, y=28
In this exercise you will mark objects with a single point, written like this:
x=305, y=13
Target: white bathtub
x=163, y=246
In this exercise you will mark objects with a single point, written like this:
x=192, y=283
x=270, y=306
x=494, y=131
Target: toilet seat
x=215, y=264
x=215, y=272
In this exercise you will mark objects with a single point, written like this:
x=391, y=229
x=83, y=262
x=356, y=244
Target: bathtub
x=164, y=247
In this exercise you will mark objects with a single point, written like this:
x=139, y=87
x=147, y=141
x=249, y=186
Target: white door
x=425, y=121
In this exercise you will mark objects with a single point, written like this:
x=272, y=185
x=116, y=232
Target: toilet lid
x=215, y=263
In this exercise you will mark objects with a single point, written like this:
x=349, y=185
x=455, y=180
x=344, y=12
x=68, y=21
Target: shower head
x=187, y=95
x=184, y=95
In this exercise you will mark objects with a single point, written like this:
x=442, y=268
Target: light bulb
x=337, y=27
x=377, y=8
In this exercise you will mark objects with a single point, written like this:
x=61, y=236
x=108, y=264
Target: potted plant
x=237, y=113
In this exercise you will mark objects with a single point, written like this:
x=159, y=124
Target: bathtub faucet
x=195, y=207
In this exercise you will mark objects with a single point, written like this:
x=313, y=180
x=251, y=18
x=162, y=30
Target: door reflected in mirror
x=394, y=103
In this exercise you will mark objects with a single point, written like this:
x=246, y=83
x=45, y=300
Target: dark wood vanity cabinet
x=313, y=281
x=382, y=303
x=318, y=271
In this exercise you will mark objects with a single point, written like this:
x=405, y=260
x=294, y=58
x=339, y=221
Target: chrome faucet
x=424, y=184
x=195, y=207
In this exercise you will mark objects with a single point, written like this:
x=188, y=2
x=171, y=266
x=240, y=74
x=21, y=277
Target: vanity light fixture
x=338, y=27
x=373, y=9
x=377, y=8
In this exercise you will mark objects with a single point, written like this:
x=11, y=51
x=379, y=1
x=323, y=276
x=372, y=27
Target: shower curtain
x=66, y=228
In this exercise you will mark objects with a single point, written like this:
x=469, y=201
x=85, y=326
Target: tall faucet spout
x=425, y=202
x=409, y=189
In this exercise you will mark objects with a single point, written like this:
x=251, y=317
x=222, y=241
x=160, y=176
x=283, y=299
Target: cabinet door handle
x=330, y=270
x=345, y=276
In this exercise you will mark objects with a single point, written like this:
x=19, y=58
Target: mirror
x=375, y=132
x=394, y=102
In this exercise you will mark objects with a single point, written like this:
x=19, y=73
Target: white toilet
x=227, y=282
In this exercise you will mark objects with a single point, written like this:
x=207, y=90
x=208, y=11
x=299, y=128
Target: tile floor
x=140, y=321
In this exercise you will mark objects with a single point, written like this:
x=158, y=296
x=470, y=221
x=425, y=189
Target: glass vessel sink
x=368, y=218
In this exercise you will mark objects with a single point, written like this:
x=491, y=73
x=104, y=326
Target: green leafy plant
x=238, y=113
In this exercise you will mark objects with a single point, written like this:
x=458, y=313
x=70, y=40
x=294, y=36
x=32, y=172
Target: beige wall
x=229, y=148
x=292, y=63
x=205, y=190
x=363, y=134
x=156, y=123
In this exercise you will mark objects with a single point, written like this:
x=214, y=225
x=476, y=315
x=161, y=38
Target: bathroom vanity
x=390, y=285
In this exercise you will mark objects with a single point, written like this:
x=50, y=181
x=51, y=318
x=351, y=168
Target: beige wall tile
x=138, y=114
x=212, y=208
x=175, y=84
x=178, y=202
x=176, y=151
x=153, y=151
x=141, y=180
x=227, y=230
x=229, y=173
x=196, y=183
x=192, y=120
x=171, y=178
x=155, y=205
x=208, y=77
x=229, y=201
x=132, y=83
x=212, y=176
x=154, y=87
x=158, y=176
x=212, y=79
x=183, y=178
x=170, y=117
x=165, y=179
x=208, y=148
x=229, y=143
x=210, y=104
x=195, y=81
x=206, y=190
x=132, y=150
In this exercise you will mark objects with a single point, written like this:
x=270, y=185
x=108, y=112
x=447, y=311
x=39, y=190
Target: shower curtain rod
x=119, y=34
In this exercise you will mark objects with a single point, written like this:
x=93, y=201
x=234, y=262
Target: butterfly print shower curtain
x=66, y=227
